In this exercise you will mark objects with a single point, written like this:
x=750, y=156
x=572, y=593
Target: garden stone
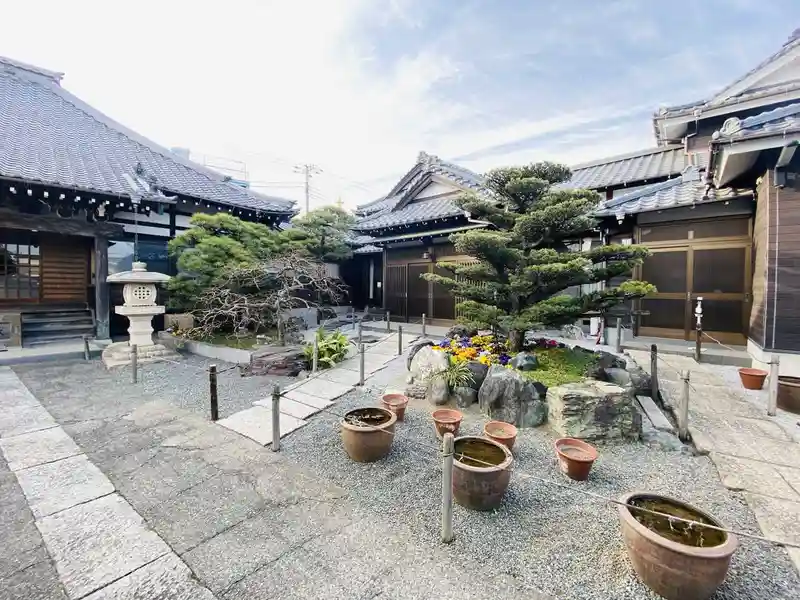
x=525, y=361
x=427, y=361
x=605, y=361
x=465, y=396
x=640, y=379
x=594, y=410
x=416, y=347
x=618, y=377
x=506, y=396
x=438, y=393
x=416, y=390
x=479, y=371
x=460, y=331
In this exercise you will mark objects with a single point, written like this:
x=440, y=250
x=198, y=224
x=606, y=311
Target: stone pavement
x=754, y=453
x=153, y=502
x=309, y=396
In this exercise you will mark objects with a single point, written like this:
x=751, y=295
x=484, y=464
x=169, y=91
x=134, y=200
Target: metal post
x=654, y=372
x=388, y=322
x=683, y=410
x=276, y=418
x=618, y=343
x=280, y=332
x=361, y=364
x=360, y=333
x=698, y=343
x=212, y=390
x=315, y=359
x=352, y=312
x=774, y=369
x=448, y=449
x=424, y=332
x=399, y=340
x=86, y=354
x=134, y=363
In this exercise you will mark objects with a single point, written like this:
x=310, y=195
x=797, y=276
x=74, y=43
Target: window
x=19, y=266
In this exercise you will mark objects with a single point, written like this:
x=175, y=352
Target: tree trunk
x=516, y=338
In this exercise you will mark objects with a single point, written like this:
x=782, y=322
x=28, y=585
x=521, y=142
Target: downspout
x=775, y=270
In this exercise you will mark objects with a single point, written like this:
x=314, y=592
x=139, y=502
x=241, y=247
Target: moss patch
x=561, y=365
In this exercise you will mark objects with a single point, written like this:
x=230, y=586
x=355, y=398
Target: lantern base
x=118, y=354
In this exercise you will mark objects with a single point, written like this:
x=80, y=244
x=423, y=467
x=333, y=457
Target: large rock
x=464, y=396
x=593, y=410
x=506, y=396
x=479, y=371
x=525, y=361
x=459, y=331
x=427, y=361
x=437, y=393
x=606, y=360
x=633, y=378
x=416, y=347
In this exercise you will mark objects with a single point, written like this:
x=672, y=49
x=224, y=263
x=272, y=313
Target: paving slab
x=166, y=578
x=778, y=519
x=63, y=484
x=256, y=423
x=205, y=510
x=327, y=390
x=38, y=447
x=753, y=476
x=339, y=376
x=37, y=582
x=371, y=364
x=304, y=398
x=25, y=419
x=290, y=407
x=98, y=542
x=653, y=412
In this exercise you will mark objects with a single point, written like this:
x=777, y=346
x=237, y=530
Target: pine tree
x=525, y=261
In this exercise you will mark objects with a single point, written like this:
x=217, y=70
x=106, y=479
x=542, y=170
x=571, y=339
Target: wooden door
x=395, y=290
x=64, y=269
x=418, y=291
x=667, y=310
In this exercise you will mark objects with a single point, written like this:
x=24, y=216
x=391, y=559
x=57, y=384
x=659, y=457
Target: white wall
x=434, y=189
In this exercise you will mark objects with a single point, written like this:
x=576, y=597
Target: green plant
x=559, y=366
x=456, y=374
x=331, y=348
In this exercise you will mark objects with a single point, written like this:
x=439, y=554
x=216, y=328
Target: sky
x=360, y=87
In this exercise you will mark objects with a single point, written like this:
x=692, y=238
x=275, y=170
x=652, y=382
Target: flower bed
x=557, y=364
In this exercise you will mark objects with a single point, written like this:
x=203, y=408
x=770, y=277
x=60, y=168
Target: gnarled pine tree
x=525, y=261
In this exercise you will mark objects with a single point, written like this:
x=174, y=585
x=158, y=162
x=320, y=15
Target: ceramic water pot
x=368, y=433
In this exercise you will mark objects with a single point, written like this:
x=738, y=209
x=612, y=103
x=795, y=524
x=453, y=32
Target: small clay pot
x=501, y=432
x=446, y=420
x=396, y=403
x=575, y=457
x=752, y=379
x=368, y=433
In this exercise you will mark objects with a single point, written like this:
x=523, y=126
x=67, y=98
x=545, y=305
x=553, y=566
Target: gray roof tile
x=777, y=120
x=634, y=167
x=688, y=189
x=50, y=136
x=415, y=212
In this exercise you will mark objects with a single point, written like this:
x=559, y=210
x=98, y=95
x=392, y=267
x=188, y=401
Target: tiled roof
x=48, y=135
x=688, y=189
x=775, y=121
x=415, y=212
x=641, y=166
x=368, y=249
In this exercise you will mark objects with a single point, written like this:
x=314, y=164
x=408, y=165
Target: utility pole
x=308, y=170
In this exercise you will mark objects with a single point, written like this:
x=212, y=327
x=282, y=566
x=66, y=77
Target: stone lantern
x=139, y=295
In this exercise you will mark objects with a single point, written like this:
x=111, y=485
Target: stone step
x=302, y=398
x=653, y=412
x=289, y=406
x=323, y=388
x=256, y=424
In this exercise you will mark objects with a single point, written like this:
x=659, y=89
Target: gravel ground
x=565, y=544
x=184, y=384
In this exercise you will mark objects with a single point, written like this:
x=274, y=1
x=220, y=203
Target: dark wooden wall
x=760, y=310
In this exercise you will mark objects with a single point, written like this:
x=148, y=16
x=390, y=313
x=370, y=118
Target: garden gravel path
x=565, y=544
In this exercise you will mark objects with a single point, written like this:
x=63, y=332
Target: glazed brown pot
x=575, y=458
x=789, y=394
x=446, y=420
x=501, y=432
x=673, y=570
x=477, y=485
x=752, y=379
x=396, y=403
x=368, y=433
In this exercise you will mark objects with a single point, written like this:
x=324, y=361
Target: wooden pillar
x=101, y=291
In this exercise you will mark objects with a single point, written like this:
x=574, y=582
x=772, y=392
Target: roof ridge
x=122, y=130
x=17, y=65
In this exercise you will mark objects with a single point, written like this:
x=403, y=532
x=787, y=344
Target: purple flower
x=444, y=342
x=504, y=358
